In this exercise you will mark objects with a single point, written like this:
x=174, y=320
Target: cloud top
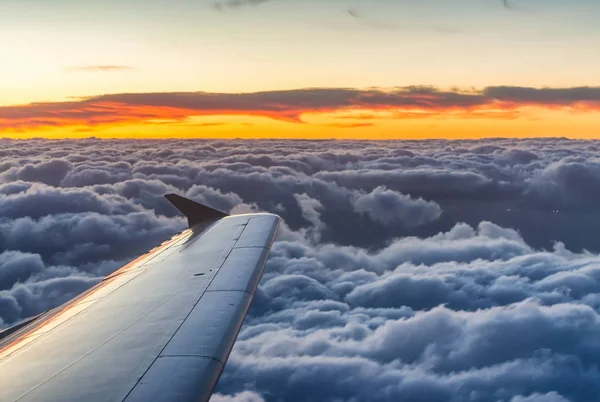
x=405, y=270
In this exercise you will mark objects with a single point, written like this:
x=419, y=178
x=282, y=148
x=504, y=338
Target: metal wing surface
x=159, y=329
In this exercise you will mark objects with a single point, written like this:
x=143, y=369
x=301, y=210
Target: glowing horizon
x=344, y=113
x=69, y=65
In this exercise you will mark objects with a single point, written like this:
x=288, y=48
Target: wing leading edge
x=159, y=329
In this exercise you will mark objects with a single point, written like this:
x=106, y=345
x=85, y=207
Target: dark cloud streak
x=290, y=105
x=371, y=22
x=231, y=4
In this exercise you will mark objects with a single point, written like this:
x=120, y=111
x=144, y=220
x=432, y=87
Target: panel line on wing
x=95, y=348
x=227, y=290
x=191, y=355
x=52, y=323
x=145, y=259
x=197, y=235
x=222, y=261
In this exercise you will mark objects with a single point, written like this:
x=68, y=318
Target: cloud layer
x=290, y=105
x=422, y=270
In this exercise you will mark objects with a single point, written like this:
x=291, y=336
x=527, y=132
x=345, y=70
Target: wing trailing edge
x=196, y=213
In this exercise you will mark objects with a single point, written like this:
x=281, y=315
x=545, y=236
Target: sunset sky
x=300, y=69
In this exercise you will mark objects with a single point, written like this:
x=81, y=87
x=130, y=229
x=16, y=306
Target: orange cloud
x=292, y=105
x=100, y=68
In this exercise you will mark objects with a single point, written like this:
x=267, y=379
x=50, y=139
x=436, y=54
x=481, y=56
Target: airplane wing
x=159, y=329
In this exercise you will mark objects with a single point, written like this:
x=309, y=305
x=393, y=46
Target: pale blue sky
x=189, y=45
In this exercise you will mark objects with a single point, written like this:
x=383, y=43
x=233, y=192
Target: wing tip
x=195, y=212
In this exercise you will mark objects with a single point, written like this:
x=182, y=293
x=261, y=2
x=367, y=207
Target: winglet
x=195, y=212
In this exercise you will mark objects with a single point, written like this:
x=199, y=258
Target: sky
x=61, y=57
